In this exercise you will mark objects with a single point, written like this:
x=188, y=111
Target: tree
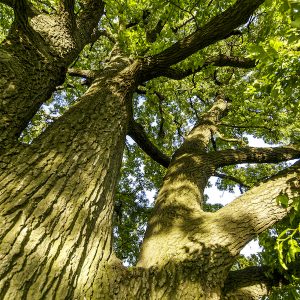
x=219, y=68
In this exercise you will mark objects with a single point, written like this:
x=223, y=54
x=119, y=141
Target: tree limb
x=89, y=74
x=30, y=11
x=68, y=6
x=232, y=178
x=218, y=28
x=218, y=61
x=21, y=11
x=151, y=35
x=87, y=21
x=254, y=155
x=97, y=33
x=250, y=283
x=257, y=209
x=138, y=134
x=230, y=140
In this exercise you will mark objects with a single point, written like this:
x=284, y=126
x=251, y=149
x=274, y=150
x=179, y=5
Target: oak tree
x=188, y=82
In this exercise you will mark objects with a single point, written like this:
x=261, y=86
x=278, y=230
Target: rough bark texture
x=57, y=198
x=57, y=194
x=33, y=61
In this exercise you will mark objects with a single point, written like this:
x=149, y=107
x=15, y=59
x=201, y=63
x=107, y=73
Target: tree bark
x=57, y=197
x=57, y=194
x=33, y=61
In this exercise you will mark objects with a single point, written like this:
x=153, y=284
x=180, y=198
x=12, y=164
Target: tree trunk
x=33, y=61
x=57, y=197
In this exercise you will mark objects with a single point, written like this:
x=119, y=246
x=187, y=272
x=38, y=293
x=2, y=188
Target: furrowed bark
x=33, y=61
x=257, y=209
x=178, y=208
x=211, y=241
x=250, y=283
x=57, y=198
x=254, y=155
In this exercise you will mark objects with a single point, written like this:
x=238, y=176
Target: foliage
x=264, y=104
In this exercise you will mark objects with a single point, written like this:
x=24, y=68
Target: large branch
x=67, y=7
x=218, y=28
x=250, y=283
x=257, y=209
x=24, y=7
x=89, y=18
x=254, y=155
x=89, y=74
x=138, y=134
x=22, y=11
x=218, y=61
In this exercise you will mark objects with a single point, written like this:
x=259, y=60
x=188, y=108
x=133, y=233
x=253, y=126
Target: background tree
x=188, y=81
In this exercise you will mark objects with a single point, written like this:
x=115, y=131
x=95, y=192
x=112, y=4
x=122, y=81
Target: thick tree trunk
x=33, y=62
x=57, y=197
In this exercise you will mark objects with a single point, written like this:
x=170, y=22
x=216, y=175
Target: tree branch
x=230, y=140
x=232, y=178
x=29, y=10
x=89, y=74
x=138, y=134
x=21, y=12
x=96, y=34
x=218, y=28
x=250, y=283
x=92, y=11
x=68, y=6
x=257, y=209
x=218, y=61
x=151, y=35
x=254, y=155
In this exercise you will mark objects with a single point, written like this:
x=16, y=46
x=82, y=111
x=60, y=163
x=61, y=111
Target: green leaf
x=282, y=199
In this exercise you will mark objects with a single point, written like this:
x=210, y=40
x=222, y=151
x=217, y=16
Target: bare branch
x=138, y=134
x=218, y=28
x=254, y=155
x=218, y=61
